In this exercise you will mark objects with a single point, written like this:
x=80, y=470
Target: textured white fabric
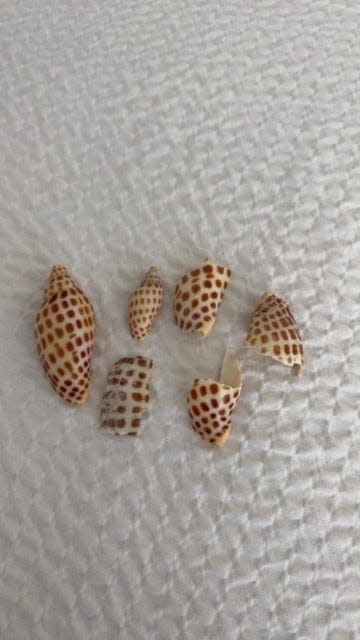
x=137, y=133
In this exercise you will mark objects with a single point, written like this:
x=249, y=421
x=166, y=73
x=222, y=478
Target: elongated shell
x=126, y=396
x=211, y=403
x=273, y=332
x=65, y=334
x=145, y=304
x=198, y=297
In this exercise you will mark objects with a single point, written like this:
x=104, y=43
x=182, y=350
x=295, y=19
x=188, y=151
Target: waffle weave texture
x=167, y=132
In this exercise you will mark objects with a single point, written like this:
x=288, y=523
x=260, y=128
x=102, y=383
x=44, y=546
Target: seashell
x=211, y=403
x=198, y=296
x=65, y=335
x=273, y=332
x=126, y=396
x=145, y=304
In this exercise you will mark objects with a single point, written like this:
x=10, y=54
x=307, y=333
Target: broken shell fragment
x=273, y=332
x=126, y=396
x=198, y=296
x=211, y=403
x=145, y=304
x=65, y=335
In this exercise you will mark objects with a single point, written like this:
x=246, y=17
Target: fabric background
x=137, y=133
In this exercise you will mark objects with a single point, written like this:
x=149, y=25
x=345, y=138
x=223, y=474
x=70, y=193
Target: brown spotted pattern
x=198, y=296
x=273, y=332
x=145, y=304
x=126, y=396
x=210, y=406
x=65, y=335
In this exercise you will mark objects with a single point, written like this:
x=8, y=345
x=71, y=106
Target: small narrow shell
x=126, y=396
x=65, y=335
x=145, y=304
x=273, y=332
x=198, y=296
x=211, y=403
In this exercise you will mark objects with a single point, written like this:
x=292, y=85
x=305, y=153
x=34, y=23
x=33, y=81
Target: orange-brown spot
x=277, y=350
x=137, y=410
x=214, y=388
x=207, y=268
